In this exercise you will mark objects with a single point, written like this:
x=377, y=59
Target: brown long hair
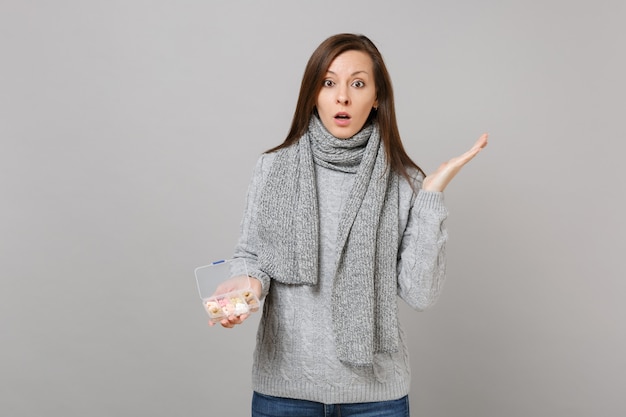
x=385, y=116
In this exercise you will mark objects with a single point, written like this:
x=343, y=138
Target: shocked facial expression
x=348, y=94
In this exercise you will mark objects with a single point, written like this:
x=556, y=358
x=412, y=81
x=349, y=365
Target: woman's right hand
x=233, y=320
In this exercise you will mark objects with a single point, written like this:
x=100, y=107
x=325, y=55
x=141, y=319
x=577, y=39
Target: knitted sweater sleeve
x=422, y=252
x=247, y=246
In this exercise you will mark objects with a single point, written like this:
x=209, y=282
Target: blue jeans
x=268, y=406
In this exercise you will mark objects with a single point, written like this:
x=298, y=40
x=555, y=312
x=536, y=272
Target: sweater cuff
x=263, y=278
x=430, y=200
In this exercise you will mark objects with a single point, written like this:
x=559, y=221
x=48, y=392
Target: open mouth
x=342, y=116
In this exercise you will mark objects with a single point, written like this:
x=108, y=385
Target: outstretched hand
x=438, y=180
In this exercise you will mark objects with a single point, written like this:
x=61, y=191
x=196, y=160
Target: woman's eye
x=358, y=84
x=328, y=83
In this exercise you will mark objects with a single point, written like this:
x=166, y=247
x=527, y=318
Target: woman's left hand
x=438, y=180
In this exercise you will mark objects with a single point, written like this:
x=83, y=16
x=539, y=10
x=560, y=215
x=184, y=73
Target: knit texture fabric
x=364, y=311
x=295, y=354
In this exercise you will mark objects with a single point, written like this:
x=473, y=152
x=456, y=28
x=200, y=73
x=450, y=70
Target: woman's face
x=348, y=94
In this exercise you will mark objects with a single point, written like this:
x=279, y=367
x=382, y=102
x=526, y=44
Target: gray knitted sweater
x=295, y=352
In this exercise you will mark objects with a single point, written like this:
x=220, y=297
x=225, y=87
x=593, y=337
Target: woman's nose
x=342, y=97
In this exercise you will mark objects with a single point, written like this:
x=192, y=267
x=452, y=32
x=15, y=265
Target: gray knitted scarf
x=364, y=302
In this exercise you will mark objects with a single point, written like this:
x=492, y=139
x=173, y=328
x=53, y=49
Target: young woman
x=339, y=222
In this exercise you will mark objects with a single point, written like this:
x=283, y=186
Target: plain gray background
x=129, y=132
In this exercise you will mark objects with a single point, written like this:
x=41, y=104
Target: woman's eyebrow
x=352, y=75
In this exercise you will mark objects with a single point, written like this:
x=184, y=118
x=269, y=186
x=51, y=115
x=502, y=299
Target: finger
x=478, y=146
x=482, y=141
x=232, y=321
